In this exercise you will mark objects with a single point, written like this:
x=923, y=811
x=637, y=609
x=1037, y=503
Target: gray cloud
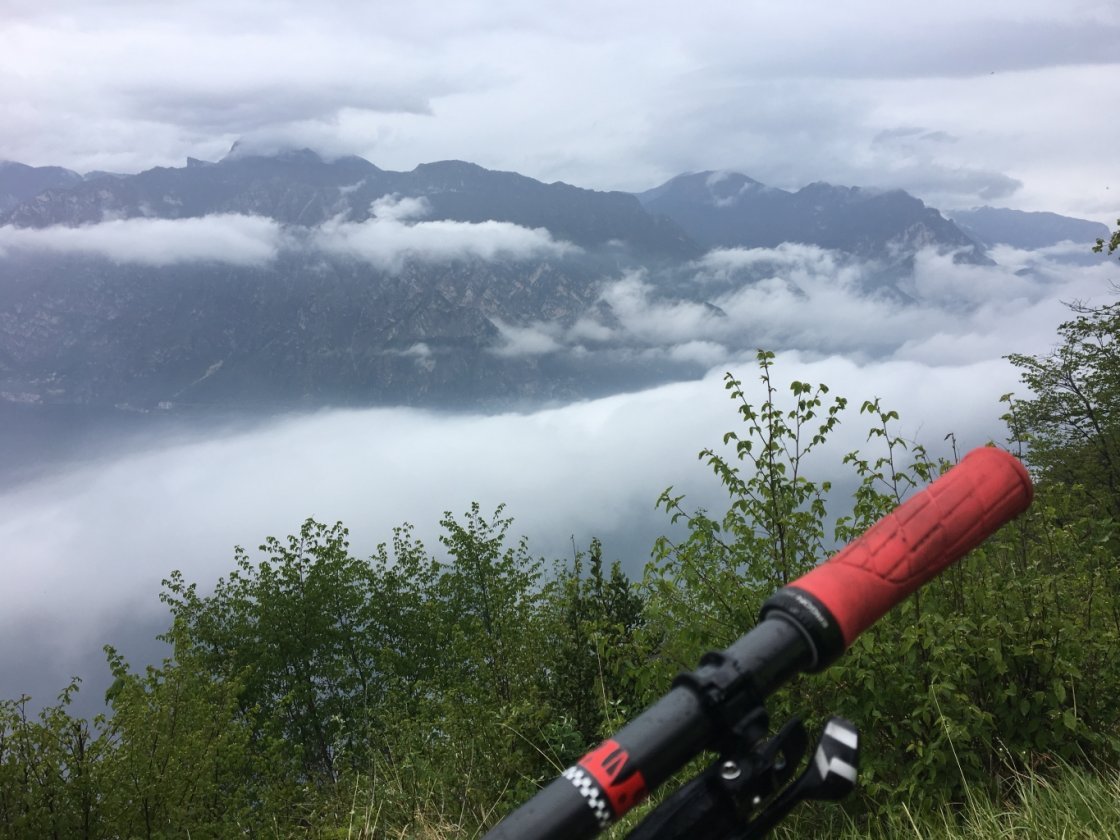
x=789, y=93
x=946, y=44
x=237, y=109
x=912, y=134
x=910, y=157
x=789, y=132
x=941, y=185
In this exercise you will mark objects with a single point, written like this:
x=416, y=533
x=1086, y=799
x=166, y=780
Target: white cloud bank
x=800, y=297
x=225, y=238
x=395, y=235
x=97, y=538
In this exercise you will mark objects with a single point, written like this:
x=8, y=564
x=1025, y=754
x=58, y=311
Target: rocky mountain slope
x=19, y=182
x=729, y=210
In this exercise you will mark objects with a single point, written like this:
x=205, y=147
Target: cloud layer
x=395, y=235
x=585, y=469
x=800, y=297
x=92, y=541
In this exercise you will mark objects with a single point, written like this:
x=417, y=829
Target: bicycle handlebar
x=803, y=627
x=904, y=550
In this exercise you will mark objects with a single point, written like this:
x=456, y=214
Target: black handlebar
x=804, y=627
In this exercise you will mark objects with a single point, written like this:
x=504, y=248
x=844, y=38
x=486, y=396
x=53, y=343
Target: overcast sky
x=1005, y=102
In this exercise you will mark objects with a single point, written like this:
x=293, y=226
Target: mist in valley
x=96, y=512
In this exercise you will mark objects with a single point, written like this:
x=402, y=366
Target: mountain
x=19, y=182
x=730, y=210
x=314, y=324
x=303, y=331
x=301, y=188
x=295, y=188
x=449, y=285
x=1000, y=226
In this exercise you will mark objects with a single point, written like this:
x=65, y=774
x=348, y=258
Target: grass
x=1073, y=803
x=1070, y=804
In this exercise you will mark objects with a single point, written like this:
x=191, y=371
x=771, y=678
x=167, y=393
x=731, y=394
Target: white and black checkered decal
x=591, y=792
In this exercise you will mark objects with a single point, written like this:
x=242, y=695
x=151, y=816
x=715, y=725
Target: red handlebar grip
x=919, y=539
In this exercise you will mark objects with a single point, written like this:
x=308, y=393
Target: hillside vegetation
x=425, y=691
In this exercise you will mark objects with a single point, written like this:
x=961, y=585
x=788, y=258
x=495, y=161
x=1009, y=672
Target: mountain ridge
x=450, y=285
x=731, y=210
x=1025, y=229
x=301, y=188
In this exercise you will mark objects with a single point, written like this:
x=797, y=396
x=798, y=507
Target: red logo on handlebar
x=620, y=780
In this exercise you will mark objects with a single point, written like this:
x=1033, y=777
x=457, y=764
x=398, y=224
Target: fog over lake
x=91, y=521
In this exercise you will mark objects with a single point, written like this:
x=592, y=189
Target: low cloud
x=533, y=340
x=396, y=235
x=225, y=238
x=791, y=258
x=645, y=317
x=800, y=297
x=95, y=541
x=804, y=298
x=1047, y=259
x=707, y=353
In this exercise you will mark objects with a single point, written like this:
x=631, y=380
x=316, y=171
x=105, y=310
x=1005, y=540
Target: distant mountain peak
x=452, y=166
x=243, y=149
x=847, y=193
x=722, y=179
x=726, y=189
x=730, y=210
x=716, y=187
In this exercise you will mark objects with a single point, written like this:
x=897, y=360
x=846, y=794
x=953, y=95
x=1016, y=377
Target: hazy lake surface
x=38, y=439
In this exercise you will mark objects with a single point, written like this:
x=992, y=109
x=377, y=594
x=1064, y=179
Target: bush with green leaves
x=706, y=589
x=50, y=763
x=1007, y=660
x=592, y=666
